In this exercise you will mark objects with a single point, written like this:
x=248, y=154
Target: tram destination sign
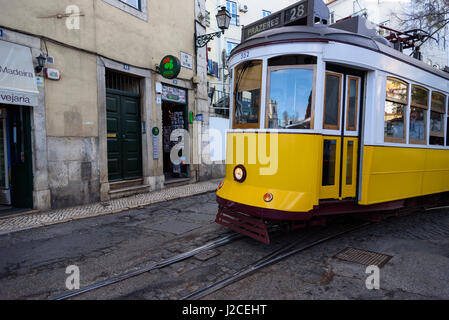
x=301, y=13
x=270, y=22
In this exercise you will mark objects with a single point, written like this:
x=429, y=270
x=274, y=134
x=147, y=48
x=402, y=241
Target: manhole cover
x=367, y=258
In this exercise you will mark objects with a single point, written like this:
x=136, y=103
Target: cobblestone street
x=33, y=262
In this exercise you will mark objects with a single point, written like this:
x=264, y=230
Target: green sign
x=155, y=131
x=170, y=67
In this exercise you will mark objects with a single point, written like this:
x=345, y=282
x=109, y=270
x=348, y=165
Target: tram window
x=332, y=101
x=353, y=100
x=349, y=162
x=395, y=106
x=329, y=159
x=418, y=115
x=291, y=60
x=290, y=98
x=437, y=111
x=248, y=81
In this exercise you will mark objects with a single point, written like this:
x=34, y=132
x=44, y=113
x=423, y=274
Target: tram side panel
x=286, y=165
x=394, y=173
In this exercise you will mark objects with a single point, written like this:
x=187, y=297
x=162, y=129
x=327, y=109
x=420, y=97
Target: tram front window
x=248, y=81
x=290, y=98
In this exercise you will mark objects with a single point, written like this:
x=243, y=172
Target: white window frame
x=122, y=5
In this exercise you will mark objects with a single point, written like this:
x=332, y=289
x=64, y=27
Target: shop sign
x=173, y=94
x=17, y=80
x=170, y=67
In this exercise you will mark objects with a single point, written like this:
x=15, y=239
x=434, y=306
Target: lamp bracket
x=202, y=40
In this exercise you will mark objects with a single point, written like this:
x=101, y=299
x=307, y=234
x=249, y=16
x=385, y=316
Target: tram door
x=342, y=101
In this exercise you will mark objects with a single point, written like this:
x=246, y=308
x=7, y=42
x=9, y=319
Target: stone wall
x=73, y=172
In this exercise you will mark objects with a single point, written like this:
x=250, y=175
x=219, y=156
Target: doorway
x=343, y=97
x=16, y=168
x=174, y=116
x=124, y=127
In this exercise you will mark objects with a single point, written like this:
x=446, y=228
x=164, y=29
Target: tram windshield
x=248, y=82
x=290, y=97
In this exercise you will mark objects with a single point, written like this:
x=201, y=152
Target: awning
x=17, y=80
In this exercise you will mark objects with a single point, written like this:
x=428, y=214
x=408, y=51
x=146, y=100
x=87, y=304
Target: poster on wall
x=173, y=94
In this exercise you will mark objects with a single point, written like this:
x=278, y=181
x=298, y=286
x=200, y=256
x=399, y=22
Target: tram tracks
x=164, y=263
x=274, y=257
x=270, y=259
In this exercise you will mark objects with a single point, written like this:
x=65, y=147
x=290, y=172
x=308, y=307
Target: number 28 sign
x=295, y=13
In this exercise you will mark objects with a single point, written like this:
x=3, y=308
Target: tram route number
x=244, y=55
x=296, y=13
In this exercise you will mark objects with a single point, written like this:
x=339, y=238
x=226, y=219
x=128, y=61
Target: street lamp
x=223, y=21
x=40, y=63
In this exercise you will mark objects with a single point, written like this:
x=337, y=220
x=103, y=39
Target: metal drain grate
x=367, y=258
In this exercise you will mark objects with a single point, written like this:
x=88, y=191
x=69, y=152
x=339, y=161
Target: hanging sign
x=170, y=67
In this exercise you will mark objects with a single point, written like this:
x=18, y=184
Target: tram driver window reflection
x=395, y=106
x=290, y=104
x=247, y=94
x=418, y=115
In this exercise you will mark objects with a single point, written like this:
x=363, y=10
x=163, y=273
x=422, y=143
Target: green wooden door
x=124, y=136
x=21, y=157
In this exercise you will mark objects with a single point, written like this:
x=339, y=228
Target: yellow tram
x=327, y=120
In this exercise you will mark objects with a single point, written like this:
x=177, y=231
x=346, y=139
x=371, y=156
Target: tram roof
x=322, y=33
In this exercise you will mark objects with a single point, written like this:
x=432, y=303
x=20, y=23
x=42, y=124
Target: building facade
x=98, y=120
x=435, y=52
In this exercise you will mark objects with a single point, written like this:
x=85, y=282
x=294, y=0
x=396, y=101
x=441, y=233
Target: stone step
x=129, y=191
x=125, y=184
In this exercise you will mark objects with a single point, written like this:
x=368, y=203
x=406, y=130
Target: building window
x=231, y=6
x=395, y=107
x=230, y=47
x=137, y=8
x=290, y=103
x=418, y=115
x=437, y=111
x=265, y=13
x=133, y=3
x=247, y=86
x=207, y=18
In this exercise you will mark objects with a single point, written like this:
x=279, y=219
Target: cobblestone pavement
x=38, y=219
x=33, y=262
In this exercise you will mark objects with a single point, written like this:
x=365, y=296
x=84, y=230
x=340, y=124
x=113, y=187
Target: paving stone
x=206, y=255
x=176, y=227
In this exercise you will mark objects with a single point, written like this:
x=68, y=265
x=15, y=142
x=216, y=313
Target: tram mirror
x=303, y=13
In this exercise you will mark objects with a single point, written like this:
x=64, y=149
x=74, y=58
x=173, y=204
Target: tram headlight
x=239, y=173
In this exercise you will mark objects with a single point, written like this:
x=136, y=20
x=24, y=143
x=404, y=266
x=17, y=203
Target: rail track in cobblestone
x=164, y=263
x=272, y=258
x=309, y=240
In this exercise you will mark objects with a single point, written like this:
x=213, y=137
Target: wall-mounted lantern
x=223, y=21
